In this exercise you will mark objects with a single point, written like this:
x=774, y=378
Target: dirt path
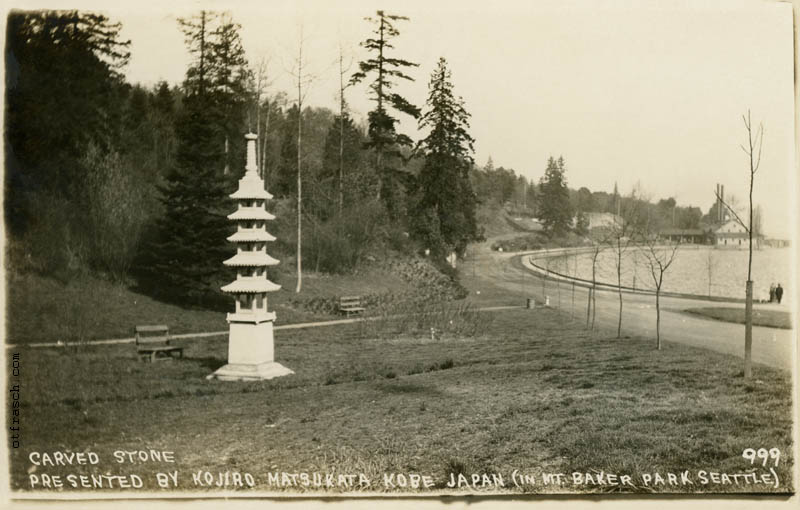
x=496, y=278
x=206, y=334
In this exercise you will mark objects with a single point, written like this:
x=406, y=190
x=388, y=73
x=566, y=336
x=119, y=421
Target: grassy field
x=768, y=318
x=534, y=392
x=44, y=310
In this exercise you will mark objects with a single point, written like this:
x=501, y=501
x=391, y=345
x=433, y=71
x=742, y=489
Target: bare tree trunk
x=748, y=330
x=258, y=136
x=748, y=310
x=341, y=130
x=299, y=168
x=227, y=169
x=588, y=307
x=572, y=313
x=264, y=173
x=379, y=147
x=558, y=284
x=299, y=203
x=658, y=318
x=748, y=307
x=593, y=290
x=202, y=51
x=341, y=165
x=619, y=286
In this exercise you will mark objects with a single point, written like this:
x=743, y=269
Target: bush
x=49, y=245
x=340, y=244
x=539, y=241
x=116, y=212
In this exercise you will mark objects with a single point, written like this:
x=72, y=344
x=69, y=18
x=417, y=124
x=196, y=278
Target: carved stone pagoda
x=251, y=351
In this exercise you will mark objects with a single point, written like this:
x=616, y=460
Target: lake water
x=689, y=272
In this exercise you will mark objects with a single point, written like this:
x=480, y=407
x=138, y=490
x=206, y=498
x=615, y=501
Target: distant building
x=775, y=243
x=603, y=220
x=686, y=235
x=734, y=235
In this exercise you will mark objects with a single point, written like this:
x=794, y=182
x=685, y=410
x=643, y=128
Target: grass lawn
x=536, y=393
x=44, y=310
x=768, y=318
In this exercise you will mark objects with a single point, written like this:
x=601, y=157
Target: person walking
x=771, y=292
x=778, y=293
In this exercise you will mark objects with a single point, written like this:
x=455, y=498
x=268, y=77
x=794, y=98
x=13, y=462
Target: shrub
x=49, y=245
x=116, y=211
x=340, y=244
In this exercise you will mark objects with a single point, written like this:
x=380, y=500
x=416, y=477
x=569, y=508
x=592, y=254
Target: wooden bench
x=350, y=304
x=152, y=342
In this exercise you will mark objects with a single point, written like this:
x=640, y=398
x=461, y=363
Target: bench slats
x=154, y=340
x=151, y=329
x=350, y=304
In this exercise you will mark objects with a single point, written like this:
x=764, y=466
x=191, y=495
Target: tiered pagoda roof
x=251, y=259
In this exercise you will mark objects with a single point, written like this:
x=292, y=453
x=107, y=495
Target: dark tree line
x=104, y=176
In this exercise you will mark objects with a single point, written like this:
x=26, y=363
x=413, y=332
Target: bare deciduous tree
x=260, y=90
x=659, y=256
x=304, y=80
x=621, y=239
x=755, y=141
x=599, y=243
x=342, y=111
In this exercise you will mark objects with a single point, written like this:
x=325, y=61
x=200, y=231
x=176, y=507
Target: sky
x=647, y=92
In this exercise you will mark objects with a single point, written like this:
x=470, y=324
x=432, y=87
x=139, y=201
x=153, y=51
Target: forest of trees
x=131, y=182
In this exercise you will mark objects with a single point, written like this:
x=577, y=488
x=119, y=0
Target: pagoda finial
x=251, y=153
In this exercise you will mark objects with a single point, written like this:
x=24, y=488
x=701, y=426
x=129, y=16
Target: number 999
x=763, y=454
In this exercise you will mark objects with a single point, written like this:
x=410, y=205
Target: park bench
x=350, y=304
x=152, y=342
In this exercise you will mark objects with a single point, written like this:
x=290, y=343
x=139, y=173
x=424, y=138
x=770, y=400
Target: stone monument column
x=251, y=344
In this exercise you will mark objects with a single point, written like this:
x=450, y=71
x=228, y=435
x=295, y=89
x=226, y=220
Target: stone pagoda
x=251, y=350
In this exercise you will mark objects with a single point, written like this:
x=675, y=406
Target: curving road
x=497, y=278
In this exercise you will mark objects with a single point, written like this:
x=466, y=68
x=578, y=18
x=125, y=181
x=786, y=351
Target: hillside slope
x=41, y=309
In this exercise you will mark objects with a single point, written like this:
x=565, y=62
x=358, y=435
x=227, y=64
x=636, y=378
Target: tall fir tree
x=220, y=73
x=383, y=135
x=233, y=84
x=443, y=214
x=554, y=208
x=164, y=138
x=183, y=260
x=197, y=31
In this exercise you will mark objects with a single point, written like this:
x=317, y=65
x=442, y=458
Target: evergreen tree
x=220, y=73
x=164, y=140
x=554, y=208
x=232, y=83
x=444, y=202
x=183, y=260
x=197, y=31
x=383, y=136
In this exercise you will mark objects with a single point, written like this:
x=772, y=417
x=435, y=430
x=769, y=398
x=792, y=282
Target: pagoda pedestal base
x=250, y=350
x=249, y=372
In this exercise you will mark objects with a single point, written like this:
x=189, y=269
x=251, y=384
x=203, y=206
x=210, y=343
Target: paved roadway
x=771, y=346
